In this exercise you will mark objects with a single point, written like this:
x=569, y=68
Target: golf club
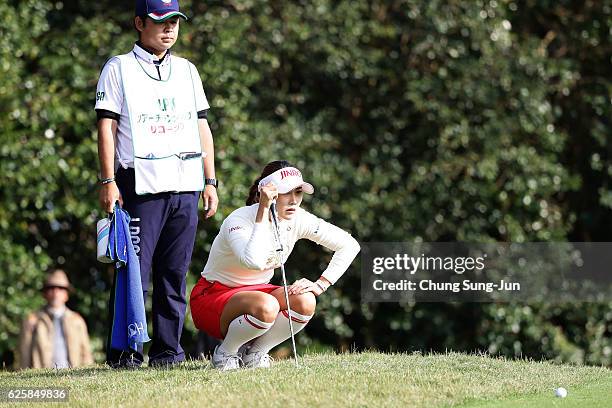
x=279, y=251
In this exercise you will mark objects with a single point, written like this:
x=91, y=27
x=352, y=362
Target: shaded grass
x=356, y=379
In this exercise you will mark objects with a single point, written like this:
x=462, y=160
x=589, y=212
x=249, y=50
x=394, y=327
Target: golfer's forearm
x=345, y=249
x=341, y=260
x=106, y=147
x=208, y=147
x=263, y=214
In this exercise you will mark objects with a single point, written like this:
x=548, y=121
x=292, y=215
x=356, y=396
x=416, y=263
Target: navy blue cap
x=158, y=10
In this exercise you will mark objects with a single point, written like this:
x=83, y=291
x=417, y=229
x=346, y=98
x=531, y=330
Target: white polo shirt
x=244, y=252
x=110, y=96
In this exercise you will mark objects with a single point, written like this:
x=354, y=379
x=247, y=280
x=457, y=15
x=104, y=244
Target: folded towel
x=129, y=327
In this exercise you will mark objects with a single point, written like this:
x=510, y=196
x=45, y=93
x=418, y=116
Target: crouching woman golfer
x=233, y=300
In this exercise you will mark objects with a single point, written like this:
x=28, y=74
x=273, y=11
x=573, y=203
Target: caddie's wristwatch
x=212, y=182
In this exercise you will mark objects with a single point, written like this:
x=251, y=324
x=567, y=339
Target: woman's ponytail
x=254, y=193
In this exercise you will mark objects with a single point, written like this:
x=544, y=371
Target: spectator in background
x=54, y=336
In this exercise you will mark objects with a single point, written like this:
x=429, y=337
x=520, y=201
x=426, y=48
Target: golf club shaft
x=284, y=276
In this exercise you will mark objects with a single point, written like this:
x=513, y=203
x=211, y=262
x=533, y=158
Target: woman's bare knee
x=261, y=305
x=304, y=304
x=266, y=308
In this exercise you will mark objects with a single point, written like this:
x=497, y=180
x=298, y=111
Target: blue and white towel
x=129, y=330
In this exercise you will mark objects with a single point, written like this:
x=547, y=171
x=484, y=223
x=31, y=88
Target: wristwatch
x=212, y=182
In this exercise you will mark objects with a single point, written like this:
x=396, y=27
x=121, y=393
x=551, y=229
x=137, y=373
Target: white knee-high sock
x=242, y=329
x=280, y=331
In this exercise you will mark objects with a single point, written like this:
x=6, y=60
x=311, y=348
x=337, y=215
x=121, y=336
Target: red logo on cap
x=289, y=173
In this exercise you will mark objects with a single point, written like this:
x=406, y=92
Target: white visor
x=287, y=179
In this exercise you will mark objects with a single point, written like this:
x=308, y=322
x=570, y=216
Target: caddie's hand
x=109, y=195
x=210, y=200
x=267, y=194
x=302, y=286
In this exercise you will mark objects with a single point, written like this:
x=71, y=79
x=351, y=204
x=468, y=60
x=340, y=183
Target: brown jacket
x=36, y=340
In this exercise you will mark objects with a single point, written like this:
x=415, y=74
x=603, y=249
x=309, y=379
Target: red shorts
x=208, y=299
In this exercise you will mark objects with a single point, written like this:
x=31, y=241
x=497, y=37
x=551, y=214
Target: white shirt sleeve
x=200, y=96
x=345, y=247
x=249, y=241
x=109, y=92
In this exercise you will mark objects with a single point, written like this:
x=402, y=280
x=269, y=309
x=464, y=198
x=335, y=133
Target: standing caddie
x=156, y=157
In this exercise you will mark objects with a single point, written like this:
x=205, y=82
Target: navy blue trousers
x=163, y=230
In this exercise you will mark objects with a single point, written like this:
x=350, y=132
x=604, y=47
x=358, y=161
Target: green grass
x=357, y=379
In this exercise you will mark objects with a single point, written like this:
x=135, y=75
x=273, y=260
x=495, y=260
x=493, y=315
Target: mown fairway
x=364, y=379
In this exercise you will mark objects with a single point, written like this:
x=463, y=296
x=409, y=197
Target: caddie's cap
x=287, y=179
x=158, y=10
x=57, y=279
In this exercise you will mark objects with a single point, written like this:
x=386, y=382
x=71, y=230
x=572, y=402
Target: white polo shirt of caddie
x=110, y=96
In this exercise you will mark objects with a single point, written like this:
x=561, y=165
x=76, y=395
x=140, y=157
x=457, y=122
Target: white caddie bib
x=164, y=124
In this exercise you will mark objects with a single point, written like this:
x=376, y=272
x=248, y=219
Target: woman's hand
x=304, y=285
x=267, y=194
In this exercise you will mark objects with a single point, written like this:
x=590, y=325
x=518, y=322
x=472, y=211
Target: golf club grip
x=275, y=222
x=273, y=210
x=274, y=217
